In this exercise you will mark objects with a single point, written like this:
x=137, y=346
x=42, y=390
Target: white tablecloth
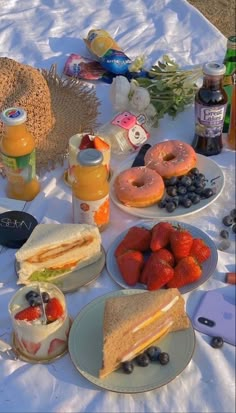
x=42, y=32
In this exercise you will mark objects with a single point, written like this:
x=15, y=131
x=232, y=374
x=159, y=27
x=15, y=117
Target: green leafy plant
x=171, y=88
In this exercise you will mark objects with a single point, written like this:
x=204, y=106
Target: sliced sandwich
x=132, y=323
x=53, y=250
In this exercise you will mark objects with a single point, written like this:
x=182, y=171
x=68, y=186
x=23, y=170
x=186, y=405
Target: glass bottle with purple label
x=210, y=108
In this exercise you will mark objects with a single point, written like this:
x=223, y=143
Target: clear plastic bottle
x=230, y=64
x=210, y=107
x=90, y=190
x=17, y=150
x=127, y=131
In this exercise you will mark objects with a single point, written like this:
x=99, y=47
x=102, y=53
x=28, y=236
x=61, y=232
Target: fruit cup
x=40, y=322
x=82, y=141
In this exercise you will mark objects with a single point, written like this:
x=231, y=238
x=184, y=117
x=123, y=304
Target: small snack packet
x=83, y=68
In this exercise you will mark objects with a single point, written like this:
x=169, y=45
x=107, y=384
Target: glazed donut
x=139, y=187
x=171, y=158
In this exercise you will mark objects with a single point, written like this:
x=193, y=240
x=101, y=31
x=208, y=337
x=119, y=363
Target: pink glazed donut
x=139, y=187
x=171, y=158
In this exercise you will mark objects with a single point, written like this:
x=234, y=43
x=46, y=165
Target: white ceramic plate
x=208, y=267
x=205, y=165
x=85, y=349
x=74, y=280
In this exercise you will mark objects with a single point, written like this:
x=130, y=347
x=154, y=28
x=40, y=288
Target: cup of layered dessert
x=40, y=322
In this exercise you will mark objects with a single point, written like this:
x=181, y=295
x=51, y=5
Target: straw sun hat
x=56, y=108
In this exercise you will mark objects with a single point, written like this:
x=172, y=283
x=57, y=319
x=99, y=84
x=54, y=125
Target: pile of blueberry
x=228, y=221
x=186, y=190
x=34, y=298
x=217, y=342
x=153, y=353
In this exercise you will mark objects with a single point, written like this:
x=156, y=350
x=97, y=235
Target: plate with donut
x=174, y=181
x=148, y=248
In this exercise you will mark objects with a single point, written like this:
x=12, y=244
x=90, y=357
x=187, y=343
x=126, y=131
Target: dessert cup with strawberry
x=82, y=141
x=40, y=322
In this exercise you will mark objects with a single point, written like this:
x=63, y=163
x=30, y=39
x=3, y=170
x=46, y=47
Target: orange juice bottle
x=90, y=190
x=17, y=149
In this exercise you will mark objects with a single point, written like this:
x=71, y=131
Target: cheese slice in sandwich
x=53, y=250
x=132, y=323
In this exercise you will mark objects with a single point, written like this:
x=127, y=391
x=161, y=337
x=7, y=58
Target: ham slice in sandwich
x=53, y=250
x=132, y=323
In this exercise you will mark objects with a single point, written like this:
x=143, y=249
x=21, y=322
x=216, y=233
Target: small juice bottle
x=90, y=190
x=17, y=149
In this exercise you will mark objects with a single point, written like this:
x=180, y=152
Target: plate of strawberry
x=162, y=255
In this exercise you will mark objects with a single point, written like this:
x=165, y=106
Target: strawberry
x=54, y=309
x=156, y=273
x=120, y=249
x=187, y=271
x=29, y=314
x=181, y=242
x=86, y=142
x=137, y=238
x=57, y=345
x=130, y=265
x=100, y=144
x=165, y=255
x=200, y=250
x=160, y=235
x=30, y=346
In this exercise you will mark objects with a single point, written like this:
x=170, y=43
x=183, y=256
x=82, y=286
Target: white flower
x=119, y=93
x=140, y=99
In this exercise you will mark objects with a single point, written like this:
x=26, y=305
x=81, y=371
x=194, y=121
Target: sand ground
x=221, y=13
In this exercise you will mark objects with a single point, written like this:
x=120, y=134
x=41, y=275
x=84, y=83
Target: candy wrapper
x=109, y=54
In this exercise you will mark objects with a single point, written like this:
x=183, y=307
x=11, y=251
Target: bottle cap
x=13, y=116
x=231, y=42
x=214, y=68
x=15, y=228
x=89, y=157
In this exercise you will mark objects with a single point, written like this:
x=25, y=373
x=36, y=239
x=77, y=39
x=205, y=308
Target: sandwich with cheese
x=53, y=250
x=132, y=323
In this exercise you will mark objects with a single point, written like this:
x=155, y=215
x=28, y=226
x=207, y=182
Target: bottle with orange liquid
x=90, y=190
x=231, y=138
x=17, y=149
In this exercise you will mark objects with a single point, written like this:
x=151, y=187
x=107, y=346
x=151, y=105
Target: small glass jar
x=210, y=108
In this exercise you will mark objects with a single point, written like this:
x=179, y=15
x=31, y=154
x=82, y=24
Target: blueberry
x=31, y=294
x=166, y=182
x=194, y=171
x=233, y=213
x=186, y=180
x=171, y=190
x=234, y=228
x=217, y=342
x=187, y=203
x=227, y=220
x=162, y=203
x=170, y=206
x=142, y=360
x=199, y=190
x=173, y=180
x=199, y=183
x=164, y=358
x=224, y=245
x=45, y=297
x=153, y=352
x=191, y=188
x=182, y=190
x=195, y=199
x=224, y=234
x=207, y=193
x=128, y=367
x=35, y=301
x=175, y=199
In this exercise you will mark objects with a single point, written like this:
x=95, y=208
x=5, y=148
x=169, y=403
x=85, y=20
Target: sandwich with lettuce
x=53, y=250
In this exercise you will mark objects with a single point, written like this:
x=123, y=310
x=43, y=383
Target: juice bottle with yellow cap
x=17, y=149
x=90, y=190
